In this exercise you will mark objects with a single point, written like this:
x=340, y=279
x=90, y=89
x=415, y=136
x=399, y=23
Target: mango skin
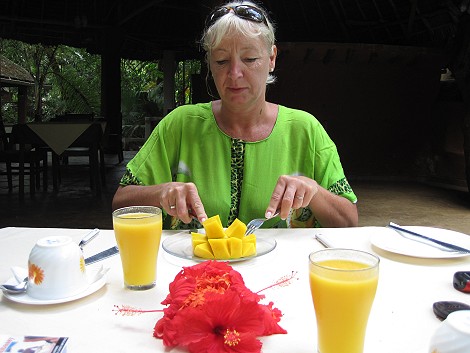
x=222, y=244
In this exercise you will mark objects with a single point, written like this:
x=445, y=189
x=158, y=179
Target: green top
x=235, y=178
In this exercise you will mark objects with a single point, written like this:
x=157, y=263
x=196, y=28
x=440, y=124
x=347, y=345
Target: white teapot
x=453, y=334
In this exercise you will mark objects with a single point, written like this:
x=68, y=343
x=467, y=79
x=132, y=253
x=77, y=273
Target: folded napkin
x=19, y=274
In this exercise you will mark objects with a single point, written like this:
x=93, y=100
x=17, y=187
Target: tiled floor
x=75, y=206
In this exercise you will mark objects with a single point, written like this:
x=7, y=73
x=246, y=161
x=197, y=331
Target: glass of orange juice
x=138, y=230
x=343, y=283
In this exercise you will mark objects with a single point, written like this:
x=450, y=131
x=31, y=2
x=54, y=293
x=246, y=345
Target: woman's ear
x=272, y=58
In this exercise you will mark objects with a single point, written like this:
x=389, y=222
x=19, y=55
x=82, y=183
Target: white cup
x=453, y=334
x=56, y=269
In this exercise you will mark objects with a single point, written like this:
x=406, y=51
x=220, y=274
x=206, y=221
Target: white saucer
x=24, y=298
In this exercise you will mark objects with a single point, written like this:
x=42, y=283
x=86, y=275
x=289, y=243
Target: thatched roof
x=12, y=74
x=143, y=29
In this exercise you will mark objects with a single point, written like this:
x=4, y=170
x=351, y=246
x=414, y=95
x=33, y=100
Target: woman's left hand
x=291, y=192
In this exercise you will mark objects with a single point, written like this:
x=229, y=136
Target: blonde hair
x=230, y=24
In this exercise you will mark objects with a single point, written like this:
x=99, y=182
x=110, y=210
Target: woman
x=240, y=156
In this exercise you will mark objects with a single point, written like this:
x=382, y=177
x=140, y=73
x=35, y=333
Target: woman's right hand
x=181, y=200
x=177, y=199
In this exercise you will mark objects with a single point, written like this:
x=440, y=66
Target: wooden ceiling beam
x=138, y=11
x=411, y=18
x=377, y=8
x=397, y=16
x=340, y=18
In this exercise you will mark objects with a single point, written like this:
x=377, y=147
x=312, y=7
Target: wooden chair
x=80, y=151
x=5, y=147
x=88, y=144
x=24, y=153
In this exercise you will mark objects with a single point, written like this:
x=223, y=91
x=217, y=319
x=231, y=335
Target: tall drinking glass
x=138, y=230
x=343, y=283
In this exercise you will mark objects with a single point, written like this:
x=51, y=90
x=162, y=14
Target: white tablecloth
x=59, y=136
x=401, y=320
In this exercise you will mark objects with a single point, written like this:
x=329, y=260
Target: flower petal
x=228, y=310
x=271, y=317
x=248, y=344
x=191, y=325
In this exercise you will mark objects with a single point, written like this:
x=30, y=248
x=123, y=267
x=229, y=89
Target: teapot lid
x=460, y=320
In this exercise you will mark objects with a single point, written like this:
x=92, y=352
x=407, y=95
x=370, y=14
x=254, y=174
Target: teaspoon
x=15, y=288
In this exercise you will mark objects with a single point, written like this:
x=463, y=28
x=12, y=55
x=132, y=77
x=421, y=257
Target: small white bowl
x=56, y=269
x=453, y=334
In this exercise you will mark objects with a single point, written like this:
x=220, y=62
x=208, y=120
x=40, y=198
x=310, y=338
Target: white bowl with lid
x=56, y=269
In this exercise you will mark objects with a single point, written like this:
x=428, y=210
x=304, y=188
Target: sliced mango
x=213, y=227
x=215, y=218
x=249, y=249
x=223, y=245
x=220, y=248
x=235, y=246
x=250, y=239
x=198, y=238
x=204, y=250
x=236, y=229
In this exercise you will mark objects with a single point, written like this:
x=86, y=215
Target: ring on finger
x=299, y=197
x=172, y=207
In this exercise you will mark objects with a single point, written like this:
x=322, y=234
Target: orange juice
x=138, y=236
x=343, y=291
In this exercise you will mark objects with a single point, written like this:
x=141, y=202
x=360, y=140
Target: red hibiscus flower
x=211, y=310
x=224, y=323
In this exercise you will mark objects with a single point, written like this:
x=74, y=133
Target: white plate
x=180, y=245
x=391, y=240
x=24, y=298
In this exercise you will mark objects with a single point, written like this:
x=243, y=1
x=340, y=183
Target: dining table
x=61, y=135
x=401, y=320
x=80, y=138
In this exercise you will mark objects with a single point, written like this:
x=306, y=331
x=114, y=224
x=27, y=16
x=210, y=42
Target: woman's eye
x=251, y=60
x=221, y=62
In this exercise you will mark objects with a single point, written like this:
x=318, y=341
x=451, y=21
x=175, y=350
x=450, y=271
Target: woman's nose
x=235, y=70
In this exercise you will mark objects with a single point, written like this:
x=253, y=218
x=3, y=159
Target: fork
x=254, y=224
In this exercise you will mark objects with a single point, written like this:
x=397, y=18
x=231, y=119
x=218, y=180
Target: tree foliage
x=68, y=80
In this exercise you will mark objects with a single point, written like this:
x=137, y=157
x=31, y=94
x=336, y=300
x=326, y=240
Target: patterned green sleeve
x=304, y=217
x=129, y=179
x=342, y=188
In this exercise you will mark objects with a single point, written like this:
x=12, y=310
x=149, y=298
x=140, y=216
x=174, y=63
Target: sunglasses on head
x=246, y=12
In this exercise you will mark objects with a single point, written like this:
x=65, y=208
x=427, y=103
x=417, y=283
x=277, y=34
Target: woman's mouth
x=236, y=89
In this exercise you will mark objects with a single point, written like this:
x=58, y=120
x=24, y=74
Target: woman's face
x=240, y=67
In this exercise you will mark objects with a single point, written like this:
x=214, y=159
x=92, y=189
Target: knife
x=102, y=255
x=322, y=241
x=448, y=246
x=89, y=237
